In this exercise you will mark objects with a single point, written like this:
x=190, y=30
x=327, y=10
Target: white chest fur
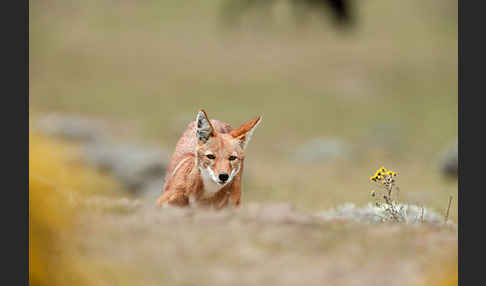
x=210, y=186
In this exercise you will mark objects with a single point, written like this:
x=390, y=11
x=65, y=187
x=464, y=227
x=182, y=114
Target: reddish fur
x=245, y=128
x=187, y=181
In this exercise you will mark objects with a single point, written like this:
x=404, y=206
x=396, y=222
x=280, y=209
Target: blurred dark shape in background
x=340, y=10
x=449, y=162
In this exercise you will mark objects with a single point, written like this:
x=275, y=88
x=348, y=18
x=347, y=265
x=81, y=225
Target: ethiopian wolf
x=207, y=164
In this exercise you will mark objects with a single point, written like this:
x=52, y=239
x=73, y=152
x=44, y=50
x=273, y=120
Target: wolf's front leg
x=173, y=198
x=235, y=192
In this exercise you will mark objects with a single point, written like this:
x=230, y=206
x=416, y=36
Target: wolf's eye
x=231, y=158
x=211, y=156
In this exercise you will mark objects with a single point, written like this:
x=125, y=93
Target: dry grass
x=84, y=232
x=261, y=244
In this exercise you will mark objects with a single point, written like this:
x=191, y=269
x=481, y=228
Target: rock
x=134, y=166
x=140, y=169
x=372, y=214
x=73, y=128
x=152, y=189
x=322, y=149
x=449, y=160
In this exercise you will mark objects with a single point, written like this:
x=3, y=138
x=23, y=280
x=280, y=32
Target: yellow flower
x=382, y=174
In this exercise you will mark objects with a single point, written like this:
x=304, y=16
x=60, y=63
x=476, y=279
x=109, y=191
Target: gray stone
x=136, y=167
x=152, y=189
x=371, y=213
x=71, y=127
x=449, y=160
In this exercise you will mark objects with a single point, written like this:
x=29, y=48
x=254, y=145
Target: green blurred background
x=386, y=87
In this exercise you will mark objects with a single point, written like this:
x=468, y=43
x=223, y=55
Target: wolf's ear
x=204, y=128
x=244, y=132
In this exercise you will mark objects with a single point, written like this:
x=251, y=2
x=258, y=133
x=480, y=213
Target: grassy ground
x=84, y=231
x=259, y=245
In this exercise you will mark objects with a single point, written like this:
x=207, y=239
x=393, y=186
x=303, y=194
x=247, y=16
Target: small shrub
x=386, y=200
x=386, y=180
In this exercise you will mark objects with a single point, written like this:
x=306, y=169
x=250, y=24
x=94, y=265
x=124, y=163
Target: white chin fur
x=211, y=183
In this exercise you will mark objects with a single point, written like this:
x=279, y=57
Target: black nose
x=223, y=177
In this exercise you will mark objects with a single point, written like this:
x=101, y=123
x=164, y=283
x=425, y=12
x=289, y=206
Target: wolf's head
x=220, y=155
